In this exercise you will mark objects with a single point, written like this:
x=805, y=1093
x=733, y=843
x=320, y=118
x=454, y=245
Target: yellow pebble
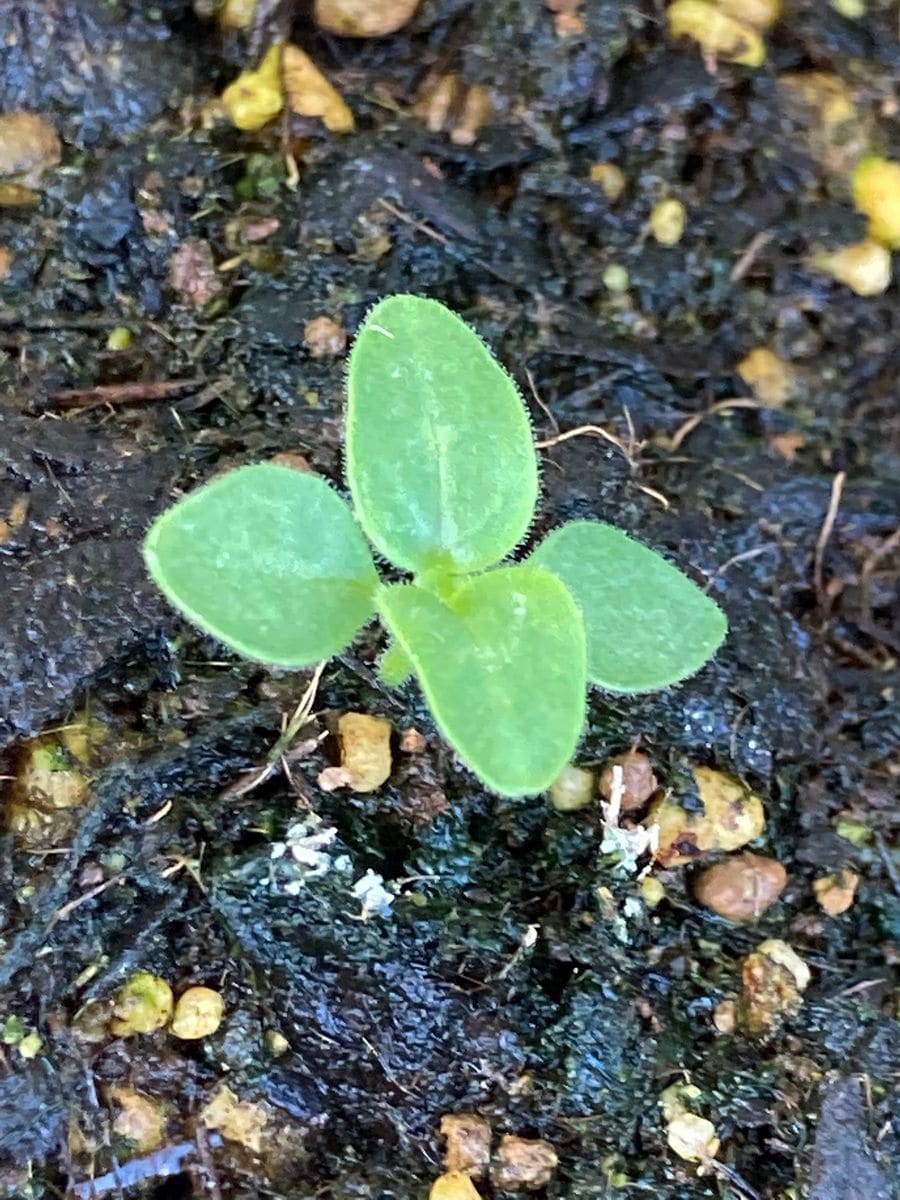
x=120, y=338
x=255, y=97
x=611, y=179
x=198, y=1013
x=761, y=14
x=865, y=267
x=141, y=1005
x=851, y=10
x=652, y=891
x=716, y=32
x=455, y=1185
x=667, y=221
x=31, y=1045
x=615, y=277
x=876, y=192
x=573, y=788
x=769, y=377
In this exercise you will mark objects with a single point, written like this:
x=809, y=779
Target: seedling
x=443, y=476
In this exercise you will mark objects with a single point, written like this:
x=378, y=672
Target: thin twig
x=837, y=487
x=539, y=402
x=758, y=242
x=122, y=393
x=738, y=558
x=586, y=431
x=67, y=909
x=291, y=729
x=722, y=406
x=868, y=570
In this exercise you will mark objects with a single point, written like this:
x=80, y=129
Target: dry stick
x=539, y=402
x=599, y=431
x=121, y=393
x=67, y=909
x=739, y=558
x=583, y=430
x=837, y=487
x=293, y=727
x=722, y=406
x=758, y=242
x=890, y=543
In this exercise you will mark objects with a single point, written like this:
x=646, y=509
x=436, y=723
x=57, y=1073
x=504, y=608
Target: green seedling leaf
x=270, y=561
x=440, y=454
x=647, y=624
x=502, y=665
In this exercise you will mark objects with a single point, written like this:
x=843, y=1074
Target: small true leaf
x=269, y=560
x=502, y=665
x=647, y=624
x=440, y=453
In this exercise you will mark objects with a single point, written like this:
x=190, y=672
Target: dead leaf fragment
x=364, y=18
x=692, y=1138
x=6, y=261
x=237, y=1120
x=193, y=275
x=365, y=743
x=835, y=893
x=309, y=94
x=774, y=978
x=29, y=146
x=468, y=1140
x=526, y=1163
x=741, y=888
x=324, y=337
x=638, y=780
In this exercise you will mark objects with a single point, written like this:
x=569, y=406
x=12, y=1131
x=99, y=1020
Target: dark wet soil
x=445, y=1005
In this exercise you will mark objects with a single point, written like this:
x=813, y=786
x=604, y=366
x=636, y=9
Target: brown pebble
x=637, y=776
x=324, y=337
x=523, y=1163
x=468, y=1143
x=741, y=888
x=412, y=742
x=835, y=893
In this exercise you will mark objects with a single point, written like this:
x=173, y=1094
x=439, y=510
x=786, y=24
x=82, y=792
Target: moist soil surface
x=523, y=972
